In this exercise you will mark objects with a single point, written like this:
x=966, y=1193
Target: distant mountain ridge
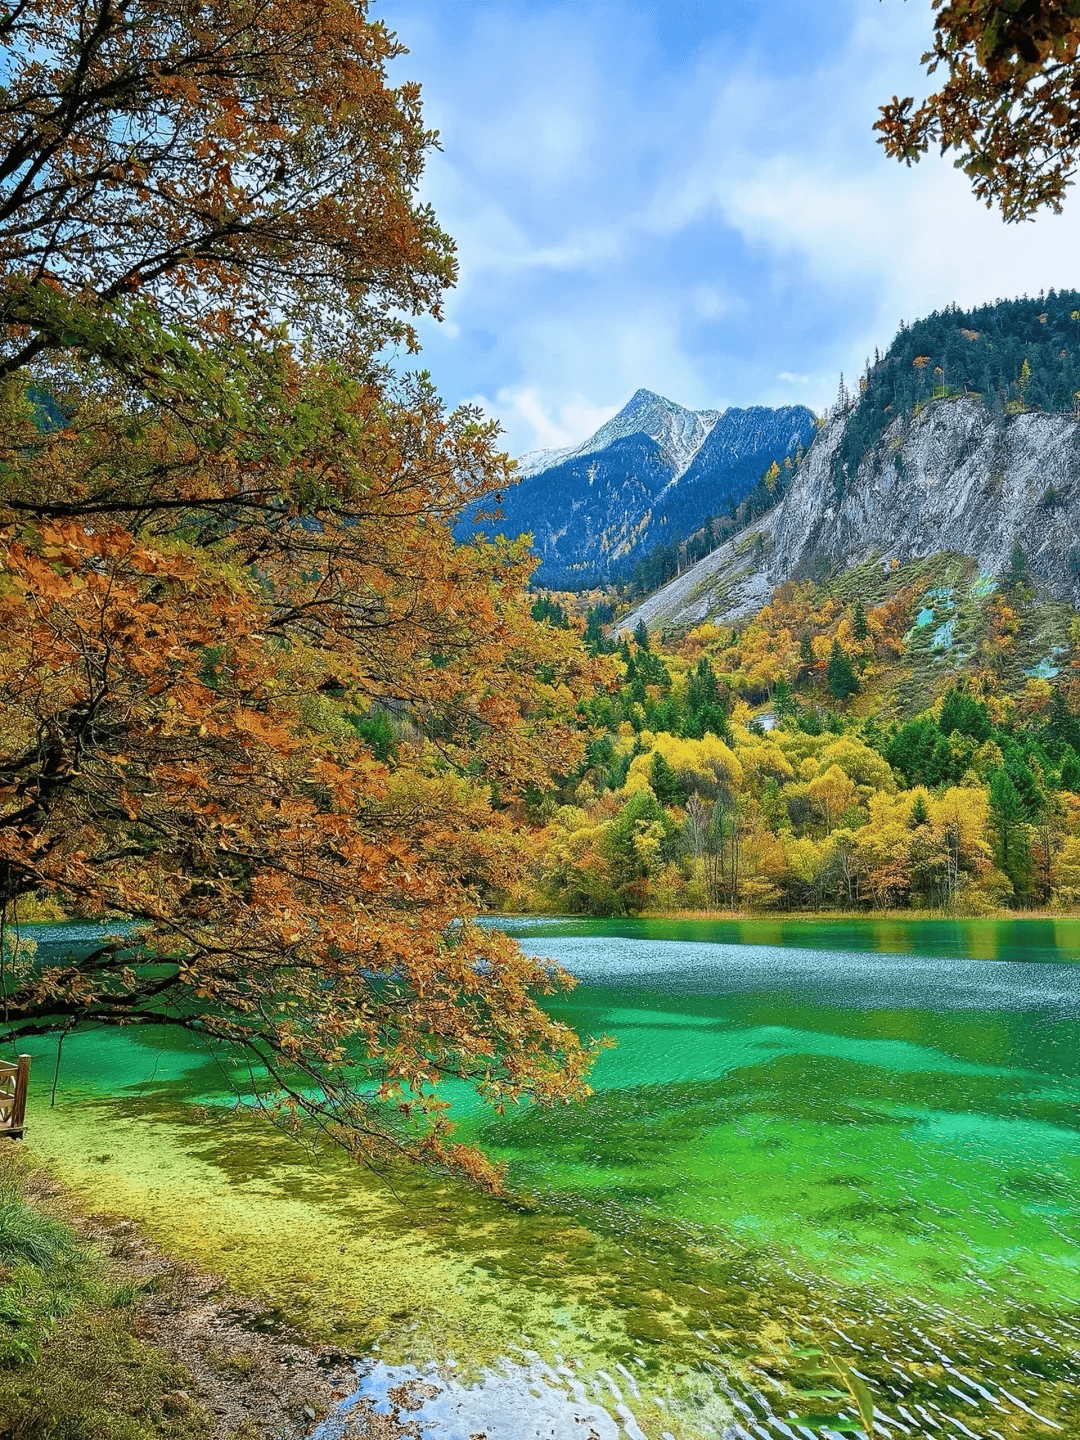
x=963, y=438
x=653, y=473
x=679, y=432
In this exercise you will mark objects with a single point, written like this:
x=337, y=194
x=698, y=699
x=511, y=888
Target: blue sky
x=687, y=197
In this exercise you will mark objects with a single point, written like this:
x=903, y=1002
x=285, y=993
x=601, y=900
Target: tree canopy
x=255, y=701
x=1009, y=105
x=231, y=168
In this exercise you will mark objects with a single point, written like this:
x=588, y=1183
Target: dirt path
x=250, y=1376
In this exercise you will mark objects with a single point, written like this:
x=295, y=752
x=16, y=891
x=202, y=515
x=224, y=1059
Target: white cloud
x=691, y=226
x=814, y=190
x=541, y=422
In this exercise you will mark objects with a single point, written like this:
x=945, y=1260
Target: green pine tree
x=1016, y=576
x=784, y=702
x=841, y=673
x=666, y=785
x=1007, y=817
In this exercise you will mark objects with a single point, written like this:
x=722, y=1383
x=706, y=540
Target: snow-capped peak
x=679, y=432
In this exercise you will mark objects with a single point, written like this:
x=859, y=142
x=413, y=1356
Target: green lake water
x=866, y=1133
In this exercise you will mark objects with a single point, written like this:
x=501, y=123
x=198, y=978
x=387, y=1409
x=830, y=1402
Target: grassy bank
x=72, y=1365
x=103, y=1337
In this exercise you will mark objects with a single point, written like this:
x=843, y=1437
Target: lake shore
x=809, y=916
x=186, y=1351
x=201, y=1359
x=769, y=1145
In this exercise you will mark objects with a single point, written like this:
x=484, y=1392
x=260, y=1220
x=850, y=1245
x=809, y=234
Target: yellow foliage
x=637, y=779
x=647, y=840
x=763, y=758
x=1035, y=698
x=967, y=808
x=803, y=858
x=832, y=793
x=699, y=764
x=1065, y=875
x=859, y=763
x=704, y=637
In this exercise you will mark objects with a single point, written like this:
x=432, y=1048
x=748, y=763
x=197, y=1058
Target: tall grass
x=27, y=1237
x=70, y=1367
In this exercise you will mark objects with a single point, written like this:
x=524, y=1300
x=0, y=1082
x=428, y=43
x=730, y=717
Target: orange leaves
x=1007, y=102
x=252, y=696
x=212, y=765
x=267, y=168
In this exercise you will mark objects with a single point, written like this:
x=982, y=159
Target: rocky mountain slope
x=654, y=472
x=956, y=476
x=678, y=432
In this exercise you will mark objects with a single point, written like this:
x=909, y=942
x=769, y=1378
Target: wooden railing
x=14, y=1083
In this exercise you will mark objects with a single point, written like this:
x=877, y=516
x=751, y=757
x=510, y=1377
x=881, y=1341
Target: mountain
x=737, y=451
x=955, y=477
x=964, y=438
x=654, y=472
x=678, y=432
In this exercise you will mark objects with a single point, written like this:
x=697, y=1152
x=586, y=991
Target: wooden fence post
x=14, y=1084
x=22, y=1086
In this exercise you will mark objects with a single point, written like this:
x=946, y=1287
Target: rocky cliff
x=955, y=477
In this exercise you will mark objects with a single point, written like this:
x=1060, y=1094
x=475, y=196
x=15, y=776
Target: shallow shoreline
x=246, y=1379
x=238, y=1378
x=801, y=916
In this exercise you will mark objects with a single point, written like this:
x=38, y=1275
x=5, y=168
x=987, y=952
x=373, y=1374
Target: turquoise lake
x=863, y=1131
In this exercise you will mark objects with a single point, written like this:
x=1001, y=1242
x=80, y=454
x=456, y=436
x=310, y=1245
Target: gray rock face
x=956, y=477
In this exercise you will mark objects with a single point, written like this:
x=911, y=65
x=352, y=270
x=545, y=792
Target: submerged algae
x=411, y=1267
x=438, y=1272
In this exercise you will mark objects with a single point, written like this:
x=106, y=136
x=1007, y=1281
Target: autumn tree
x=231, y=169
x=228, y=563
x=1009, y=106
x=832, y=793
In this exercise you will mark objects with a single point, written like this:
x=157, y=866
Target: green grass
x=95, y=1381
x=70, y=1368
x=27, y=1237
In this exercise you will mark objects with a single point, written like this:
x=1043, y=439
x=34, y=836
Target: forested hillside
x=1016, y=355
x=909, y=740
